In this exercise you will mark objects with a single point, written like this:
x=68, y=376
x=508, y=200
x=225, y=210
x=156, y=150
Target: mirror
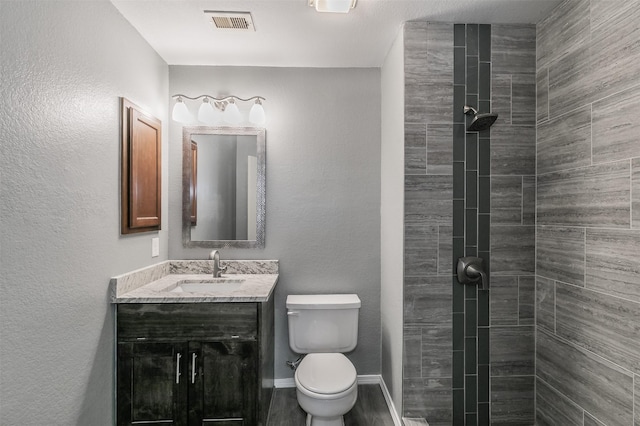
x=223, y=187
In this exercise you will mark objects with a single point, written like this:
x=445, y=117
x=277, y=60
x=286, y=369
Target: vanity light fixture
x=213, y=111
x=334, y=6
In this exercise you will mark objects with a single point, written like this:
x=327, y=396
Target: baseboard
x=414, y=421
x=390, y=404
x=364, y=379
x=284, y=383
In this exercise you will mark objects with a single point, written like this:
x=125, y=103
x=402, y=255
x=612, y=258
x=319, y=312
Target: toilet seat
x=325, y=375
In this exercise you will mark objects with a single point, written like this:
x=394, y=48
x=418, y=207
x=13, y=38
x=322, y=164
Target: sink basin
x=214, y=285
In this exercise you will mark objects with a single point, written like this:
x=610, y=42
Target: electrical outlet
x=155, y=247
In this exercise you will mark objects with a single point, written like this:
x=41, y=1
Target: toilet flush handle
x=293, y=313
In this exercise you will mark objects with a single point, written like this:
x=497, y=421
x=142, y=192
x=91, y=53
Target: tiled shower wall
x=428, y=210
x=513, y=168
x=588, y=210
x=430, y=387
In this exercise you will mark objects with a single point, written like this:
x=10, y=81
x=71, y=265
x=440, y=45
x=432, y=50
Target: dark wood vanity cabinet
x=194, y=363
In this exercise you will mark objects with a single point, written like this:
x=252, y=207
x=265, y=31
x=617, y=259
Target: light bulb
x=206, y=113
x=181, y=113
x=232, y=113
x=256, y=115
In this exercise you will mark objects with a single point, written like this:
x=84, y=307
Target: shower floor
x=370, y=410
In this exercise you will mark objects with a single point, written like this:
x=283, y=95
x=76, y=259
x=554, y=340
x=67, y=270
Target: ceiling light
x=335, y=6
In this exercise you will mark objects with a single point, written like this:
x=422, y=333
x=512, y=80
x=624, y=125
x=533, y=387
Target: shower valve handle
x=471, y=270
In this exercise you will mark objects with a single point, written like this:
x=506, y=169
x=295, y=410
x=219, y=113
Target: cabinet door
x=152, y=384
x=225, y=383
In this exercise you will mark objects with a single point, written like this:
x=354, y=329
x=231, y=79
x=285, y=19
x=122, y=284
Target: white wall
x=63, y=66
x=323, y=186
x=392, y=218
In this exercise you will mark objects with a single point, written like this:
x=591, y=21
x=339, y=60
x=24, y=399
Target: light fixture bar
x=226, y=98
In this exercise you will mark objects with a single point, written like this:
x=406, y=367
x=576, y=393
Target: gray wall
x=63, y=67
x=323, y=186
x=391, y=218
x=588, y=214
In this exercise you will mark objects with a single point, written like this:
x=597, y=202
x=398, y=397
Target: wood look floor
x=370, y=409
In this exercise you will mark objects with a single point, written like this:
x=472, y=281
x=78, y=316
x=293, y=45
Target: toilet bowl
x=326, y=388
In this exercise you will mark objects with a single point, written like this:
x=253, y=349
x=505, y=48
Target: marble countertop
x=155, y=283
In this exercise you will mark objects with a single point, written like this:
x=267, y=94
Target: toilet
x=324, y=326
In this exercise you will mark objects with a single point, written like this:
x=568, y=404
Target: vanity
x=192, y=349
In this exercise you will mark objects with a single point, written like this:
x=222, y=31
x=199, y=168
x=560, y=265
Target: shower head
x=480, y=122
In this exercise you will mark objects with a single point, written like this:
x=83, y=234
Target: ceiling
x=289, y=33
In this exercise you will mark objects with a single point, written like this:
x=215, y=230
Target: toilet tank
x=323, y=322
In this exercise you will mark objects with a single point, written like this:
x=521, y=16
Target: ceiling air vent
x=240, y=21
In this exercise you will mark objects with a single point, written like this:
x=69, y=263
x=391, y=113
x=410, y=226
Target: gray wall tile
x=512, y=350
x=504, y=301
x=427, y=300
x=637, y=400
x=589, y=420
x=614, y=49
x=565, y=142
x=560, y=253
x=602, y=324
x=415, y=148
x=445, y=250
x=570, y=81
x=585, y=378
x=506, y=200
x=511, y=401
x=513, y=150
x=526, y=300
x=542, y=94
x=635, y=194
x=513, y=49
x=421, y=254
x=554, y=409
x=616, y=132
x=436, y=351
x=512, y=250
x=429, y=199
x=603, y=12
x=412, y=356
x=612, y=262
x=439, y=394
x=545, y=304
x=528, y=200
x=440, y=149
x=524, y=99
x=566, y=28
x=501, y=97
x=567, y=198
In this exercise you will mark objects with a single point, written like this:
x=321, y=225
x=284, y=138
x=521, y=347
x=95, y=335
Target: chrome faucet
x=217, y=270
